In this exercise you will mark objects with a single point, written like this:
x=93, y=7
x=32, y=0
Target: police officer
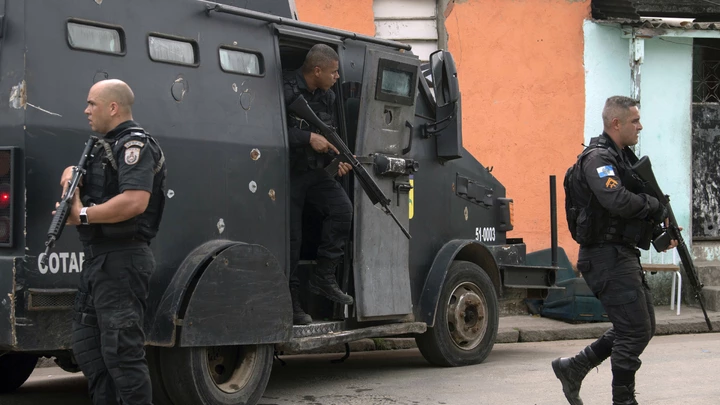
x=118, y=211
x=611, y=216
x=310, y=184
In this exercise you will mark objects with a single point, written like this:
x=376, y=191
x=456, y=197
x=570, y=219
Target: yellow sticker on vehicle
x=411, y=198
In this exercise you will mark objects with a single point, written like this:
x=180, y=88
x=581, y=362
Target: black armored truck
x=208, y=84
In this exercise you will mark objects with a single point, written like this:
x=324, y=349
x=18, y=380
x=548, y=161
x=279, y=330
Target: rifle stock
x=63, y=210
x=643, y=168
x=301, y=108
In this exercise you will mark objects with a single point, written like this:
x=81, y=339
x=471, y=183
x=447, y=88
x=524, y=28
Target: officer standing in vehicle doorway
x=611, y=216
x=118, y=211
x=310, y=184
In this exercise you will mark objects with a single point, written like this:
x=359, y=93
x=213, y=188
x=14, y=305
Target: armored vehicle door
x=384, y=137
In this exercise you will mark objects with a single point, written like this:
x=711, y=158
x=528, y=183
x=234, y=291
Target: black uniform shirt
x=135, y=159
x=604, y=169
x=319, y=100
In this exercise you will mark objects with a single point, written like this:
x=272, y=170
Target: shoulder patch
x=605, y=171
x=132, y=155
x=611, y=183
x=131, y=144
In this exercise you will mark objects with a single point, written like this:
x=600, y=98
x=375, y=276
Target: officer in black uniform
x=310, y=184
x=611, y=216
x=118, y=211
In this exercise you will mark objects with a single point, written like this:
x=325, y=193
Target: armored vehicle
x=207, y=79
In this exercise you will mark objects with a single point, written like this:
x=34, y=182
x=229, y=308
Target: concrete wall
x=355, y=15
x=522, y=80
x=521, y=75
x=607, y=73
x=666, y=96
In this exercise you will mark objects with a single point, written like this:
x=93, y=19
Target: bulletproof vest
x=305, y=158
x=101, y=183
x=589, y=223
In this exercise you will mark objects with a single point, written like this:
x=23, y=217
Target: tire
x=467, y=319
x=159, y=393
x=220, y=375
x=15, y=368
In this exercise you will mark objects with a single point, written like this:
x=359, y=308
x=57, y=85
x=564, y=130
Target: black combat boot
x=322, y=282
x=571, y=371
x=624, y=395
x=299, y=316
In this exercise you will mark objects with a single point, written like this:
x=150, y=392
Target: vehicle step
x=316, y=328
x=332, y=338
x=521, y=276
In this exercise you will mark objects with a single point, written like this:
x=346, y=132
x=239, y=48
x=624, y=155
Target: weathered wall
x=521, y=75
x=607, y=73
x=356, y=15
x=666, y=115
x=665, y=112
x=666, y=91
x=706, y=177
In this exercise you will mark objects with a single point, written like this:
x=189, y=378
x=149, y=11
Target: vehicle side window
x=92, y=36
x=173, y=50
x=241, y=61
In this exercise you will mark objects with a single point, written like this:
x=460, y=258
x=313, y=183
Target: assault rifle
x=63, y=210
x=643, y=168
x=301, y=108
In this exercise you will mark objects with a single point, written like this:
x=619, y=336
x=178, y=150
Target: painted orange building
x=520, y=65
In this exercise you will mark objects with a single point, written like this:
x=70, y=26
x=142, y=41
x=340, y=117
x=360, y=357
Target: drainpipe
x=637, y=54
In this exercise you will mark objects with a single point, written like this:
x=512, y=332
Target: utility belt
x=84, y=309
x=92, y=250
x=632, y=233
x=85, y=313
x=305, y=158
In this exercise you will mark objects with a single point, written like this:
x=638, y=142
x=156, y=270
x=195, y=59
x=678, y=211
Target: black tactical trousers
x=614, y=275
x=317, y=189
x=108, y=340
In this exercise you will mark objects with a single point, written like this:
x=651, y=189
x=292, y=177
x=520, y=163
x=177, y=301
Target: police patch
x=132, y=155
x=605, y=171
x=130, y=144
x=611, y=183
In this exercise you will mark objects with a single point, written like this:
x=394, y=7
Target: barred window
x=706, y=70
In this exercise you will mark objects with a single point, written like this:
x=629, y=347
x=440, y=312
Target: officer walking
x=118, y=211
x=611, y=216
x=310, y=184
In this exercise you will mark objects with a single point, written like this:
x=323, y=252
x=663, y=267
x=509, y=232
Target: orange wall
x=355, y=16
x=521, y=75
x=520, y=66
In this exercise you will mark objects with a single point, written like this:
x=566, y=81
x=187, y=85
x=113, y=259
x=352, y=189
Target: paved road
x=679, y=369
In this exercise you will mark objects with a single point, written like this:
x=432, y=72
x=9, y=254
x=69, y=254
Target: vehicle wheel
x=159, y=393
x=467, y=319
x=216, y=375
x=15, y=368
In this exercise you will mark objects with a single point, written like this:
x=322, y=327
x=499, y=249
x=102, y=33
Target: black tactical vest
x=589, y=223
x=101, y=183
x=305, y=158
